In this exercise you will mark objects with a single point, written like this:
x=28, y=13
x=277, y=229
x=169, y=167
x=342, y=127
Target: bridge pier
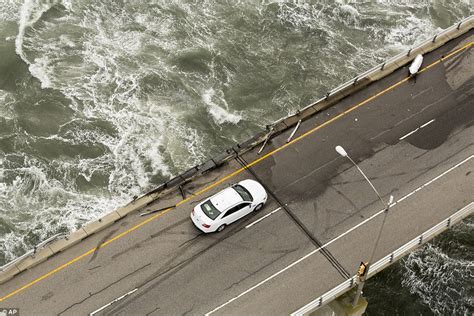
x=342, y=306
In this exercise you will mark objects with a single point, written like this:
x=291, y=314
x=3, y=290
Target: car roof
x=225, y=199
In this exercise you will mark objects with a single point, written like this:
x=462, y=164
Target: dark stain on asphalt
x=99, y=244
x=165, y=230
x=47, y=296
x=435, y=134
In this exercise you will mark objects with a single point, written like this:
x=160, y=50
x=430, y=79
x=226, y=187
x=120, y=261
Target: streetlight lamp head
x=341, y=151
x=390, y=200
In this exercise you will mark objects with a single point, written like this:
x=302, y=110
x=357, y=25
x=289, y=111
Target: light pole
x=386, y=206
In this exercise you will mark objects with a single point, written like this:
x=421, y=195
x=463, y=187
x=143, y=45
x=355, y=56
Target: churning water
x=102, y=100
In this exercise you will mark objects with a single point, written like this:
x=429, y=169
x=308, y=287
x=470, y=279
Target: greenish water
x=103, y=100
x=436, y=279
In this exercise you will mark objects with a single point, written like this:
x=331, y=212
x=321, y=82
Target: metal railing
x=377, y=68
x=32, y=252
x=387, y=260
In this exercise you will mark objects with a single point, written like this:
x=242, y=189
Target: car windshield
x=210, y=210
x=246, y=196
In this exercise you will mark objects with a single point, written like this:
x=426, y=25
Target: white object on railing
x=416, y=64
x=385, y=261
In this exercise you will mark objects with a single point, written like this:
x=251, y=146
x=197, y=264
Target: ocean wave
x=37, y=205
x=439, y=272
x=31, y=11
x=220, y=114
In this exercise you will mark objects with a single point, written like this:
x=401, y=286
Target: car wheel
x=221, y=228
x=258, y=207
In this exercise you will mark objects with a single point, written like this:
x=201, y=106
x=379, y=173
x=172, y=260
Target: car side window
x=235, y=209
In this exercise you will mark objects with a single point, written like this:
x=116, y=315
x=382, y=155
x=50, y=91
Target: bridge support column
x=342, y=306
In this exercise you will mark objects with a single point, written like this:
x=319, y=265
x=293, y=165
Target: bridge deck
x=251, y=268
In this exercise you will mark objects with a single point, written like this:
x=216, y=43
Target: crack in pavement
x=286, y=252
x=149, y=313
x=188, y=311
x=103, y=289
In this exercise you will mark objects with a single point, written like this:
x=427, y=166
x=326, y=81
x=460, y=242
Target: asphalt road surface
x=404, y=138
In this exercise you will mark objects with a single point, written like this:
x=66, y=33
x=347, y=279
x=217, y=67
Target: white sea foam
x=9, y=11
x=410, y=30
x=39, y=70
x=56, y=205
x=298, y=14
x=349, y=14
x=7, y=100
x=135, y=129
x=66, y=41
x=30, y=12
x=437, y=279
x=219, y=114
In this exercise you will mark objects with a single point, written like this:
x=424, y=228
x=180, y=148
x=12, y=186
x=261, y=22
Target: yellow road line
x=228, y=176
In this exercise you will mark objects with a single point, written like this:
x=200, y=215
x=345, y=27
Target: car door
x=236, y=212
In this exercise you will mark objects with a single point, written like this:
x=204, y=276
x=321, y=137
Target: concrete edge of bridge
x=9, y=270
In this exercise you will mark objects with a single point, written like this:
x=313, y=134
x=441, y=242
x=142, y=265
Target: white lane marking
x=421, y=92
x=262, y=218
x=115, y=300
x=409, y=134
x=338, y=237
x=414, y=131
x=427, y=123
x=436, y=178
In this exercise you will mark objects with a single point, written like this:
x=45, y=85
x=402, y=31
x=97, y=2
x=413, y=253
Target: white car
x=227, y=206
